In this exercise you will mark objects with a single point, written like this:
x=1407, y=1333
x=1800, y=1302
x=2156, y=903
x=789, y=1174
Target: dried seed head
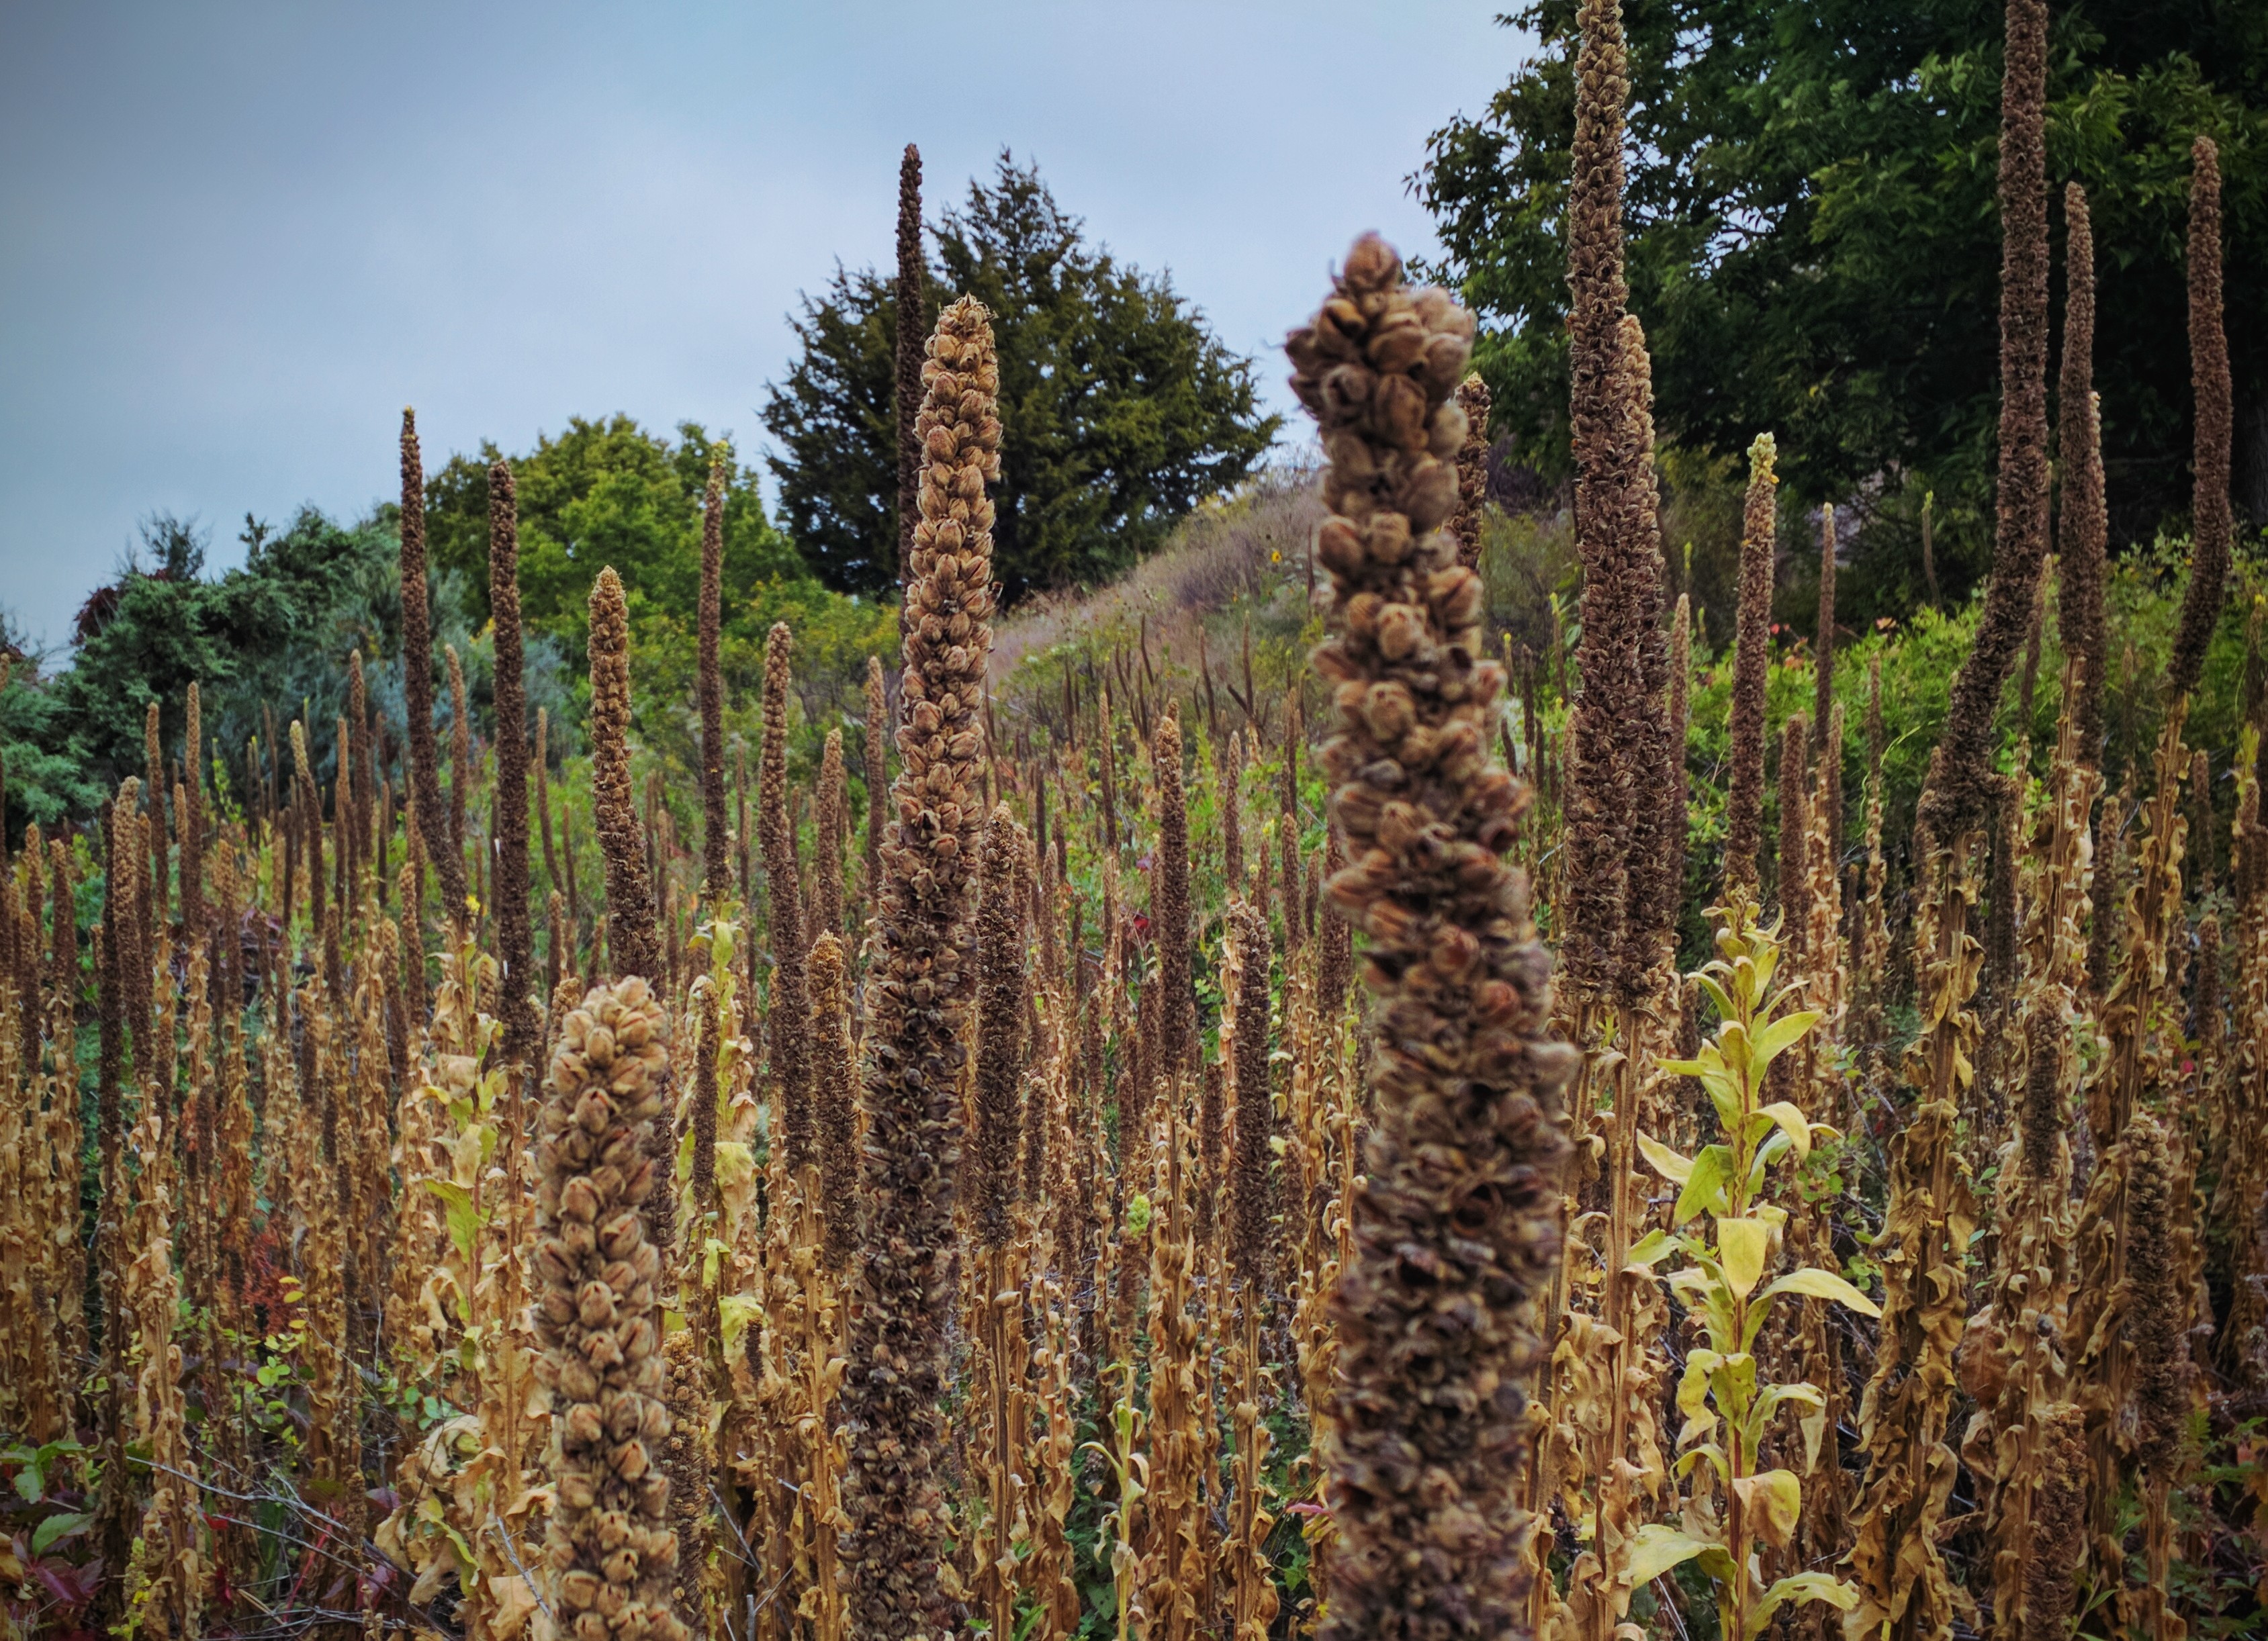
x=1252, y=1203
x=918, y=1000
x=622, y=842
x=2155, y=1333
x=2210, y=527
x=596, y=1318
x=1744, y=803
x=1459, y=1224
x=1958, y=795
x=1000, y=1051
x=2082, y=525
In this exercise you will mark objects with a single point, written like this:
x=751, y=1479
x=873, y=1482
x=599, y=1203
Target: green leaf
x=1794, y=1123
x=1666, y=1162
x=464, y=1219
x=1658, y=1547
x=1654, y=1246
x=31, y=1486
x=1823, y=1285
x=1782, y=1033
x=56, y=1527
x=1705, y=1186
x=1743, y=1245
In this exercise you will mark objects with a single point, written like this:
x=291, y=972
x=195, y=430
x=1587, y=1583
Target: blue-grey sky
x=235, y=239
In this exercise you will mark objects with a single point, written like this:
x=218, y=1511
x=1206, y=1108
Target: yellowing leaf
x=1658, y=1548
x=1792, y=1123
x=1773, y=1501
x=1823, y=1285
x=1666, y=1162
x=1801, y=1586
x=1742, y=1246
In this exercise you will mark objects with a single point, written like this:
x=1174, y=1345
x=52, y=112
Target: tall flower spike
x=911, y=305
x=834, y=837
x=1170, y=905
x=917, y=1002
x=716, y=859
x=1744, y=804
x=417, y=680
x=1602, y=795
x=522, y=1026
x=877, y=781
x=2209, y=379
x=1650, y=918
x=1472, y=469
x=1000, y=1008
x=1959, y=793
x=788, y=1022
x=630, y=938
x=611, y=1552
x=1822, y=647
x=1252, y=1203
x=2082, y=521
x=834, y=1099
x=1458, y=1227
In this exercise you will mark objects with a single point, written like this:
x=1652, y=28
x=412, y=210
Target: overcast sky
x=236, y=239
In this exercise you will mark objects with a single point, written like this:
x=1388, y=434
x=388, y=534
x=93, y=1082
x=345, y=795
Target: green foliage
x=1814, y=244
x=272, y=635
x=606, y=492
x=1119, y=409
x=1736, y=1508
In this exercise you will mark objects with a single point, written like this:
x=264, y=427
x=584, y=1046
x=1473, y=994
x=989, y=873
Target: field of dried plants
x=1097, y=1159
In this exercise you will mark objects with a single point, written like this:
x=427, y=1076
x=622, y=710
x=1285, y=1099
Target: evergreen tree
x=1119, y=408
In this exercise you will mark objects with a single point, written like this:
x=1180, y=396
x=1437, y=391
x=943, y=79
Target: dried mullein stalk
x=1472, y=470
x=461, y=748
x=716, y=859
x=631, y=937
x=1959, y=794
x=787, y=1021
x=912, y=309
x=918, y=995
x=611, y=1555
x=1744, y=802
x=2209, y=377
x=834, y=1099
x=515, y=938
x=1000, y=1048
x=2082, y=523
x=1463, y=1157
x=834, y=837
x=877, y=781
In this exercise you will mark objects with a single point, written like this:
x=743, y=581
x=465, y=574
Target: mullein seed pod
x=417, y=678
x=834, y=837
x=911, y=307
x=1170, y=907
x=2210, y=527
x=1458, y=1228
x=1472, y=470
x=1744, y=802
x=834, y=1100
x=2156, y=1337
x=918, y=994
x=631, y=937
x=1958, y=796
x=788, y=1020
x=1252, y=1199
x=2083, y=520
x=611, y=1554
x=877, y=781
x=515, y=935
x=1651, y=916
x=2059, y=1526
x=1000, y=1051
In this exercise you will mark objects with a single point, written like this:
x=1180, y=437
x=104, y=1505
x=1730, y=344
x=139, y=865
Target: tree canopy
x=1119, y=409
x=606, y=491
x=1815, y=244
